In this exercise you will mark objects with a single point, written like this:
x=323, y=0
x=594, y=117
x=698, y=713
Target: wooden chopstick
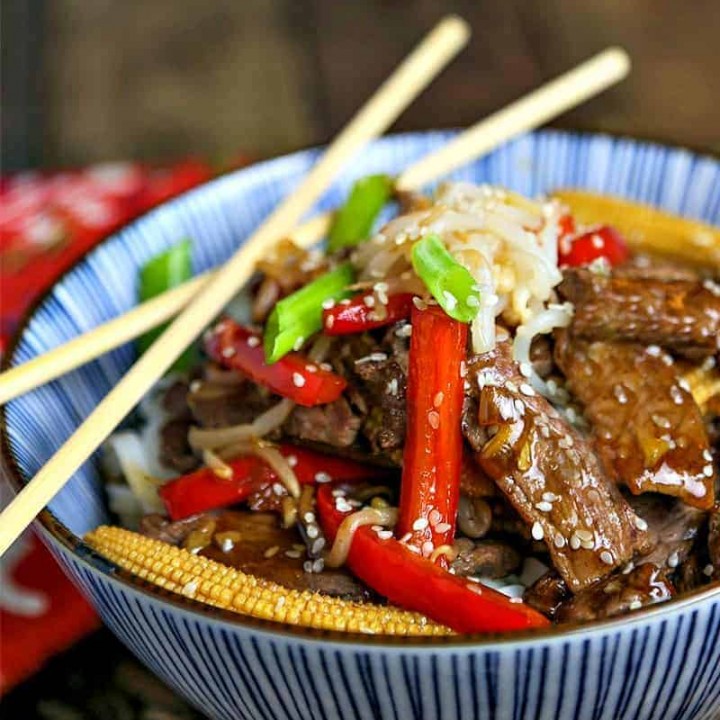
x=548, y=101
x=379, y=112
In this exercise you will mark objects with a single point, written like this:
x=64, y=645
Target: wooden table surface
x=161, y=79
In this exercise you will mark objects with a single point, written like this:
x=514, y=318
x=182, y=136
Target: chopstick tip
x=456, y=26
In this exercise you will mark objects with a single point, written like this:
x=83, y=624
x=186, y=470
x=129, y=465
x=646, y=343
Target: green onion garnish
x=354, y=220
x=160, y=274
x=448, y=281
x=298, y=316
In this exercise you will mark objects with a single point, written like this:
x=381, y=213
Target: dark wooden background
x=90, y=80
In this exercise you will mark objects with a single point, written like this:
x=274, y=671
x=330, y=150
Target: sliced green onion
x=354, y=220
x=298, y=316
x=160, y=274
x=448, y=281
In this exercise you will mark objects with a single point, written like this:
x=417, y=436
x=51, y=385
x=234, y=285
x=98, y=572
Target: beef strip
x=241, y=540
x=218, y=404
x=334, y=424
x=547, y=594
x=175, y=450
x=617, y=595
x=255, y=534
x=646, y=425
x=681, y=316
x=377, y=371
x=673, y=529
x=487, y=558
x=549, y=473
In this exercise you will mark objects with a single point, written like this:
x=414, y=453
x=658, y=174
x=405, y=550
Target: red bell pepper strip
x=293, y=376
x=432, y=457
x=355, y=316
x=406, y=579
x=601, y=242
x=203, y=490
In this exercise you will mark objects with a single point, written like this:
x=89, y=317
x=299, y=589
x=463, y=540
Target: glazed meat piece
x=333, y=424
x=231, y=401
x=157, y=527
x=487, y=558
x=378, y=372
x=646, y=426
x=673, y=528
x=549, y=474
x=175, y=450
x=547, y=594
x=618, y=594
x=255, y=543
x=681, y=316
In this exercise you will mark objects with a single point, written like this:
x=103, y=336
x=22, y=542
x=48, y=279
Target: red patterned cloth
x=47, y=221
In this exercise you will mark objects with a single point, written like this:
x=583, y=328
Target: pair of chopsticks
x=199, y=300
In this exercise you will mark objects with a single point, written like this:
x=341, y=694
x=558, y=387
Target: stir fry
x=485, y=416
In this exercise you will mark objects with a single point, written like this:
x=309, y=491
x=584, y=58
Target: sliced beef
x=617, y=595
x=377, y=371
x=175, y=450
x=646, y=425
x=547, y=594
x=487, y=558
x=245, y=539
x=333, y=424
x=714, y=541
x=157, y=527
x=175, y=400
x=681, y=316
x=410, y=201
x=474, y=483
x=673, y=529
x=218, y=404
x=549, y=474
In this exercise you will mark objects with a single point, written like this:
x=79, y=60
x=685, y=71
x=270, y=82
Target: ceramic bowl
x=662, y=662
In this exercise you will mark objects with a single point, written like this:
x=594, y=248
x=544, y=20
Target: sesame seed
x=463, y=369
x=676, y=395
x=674, y=560
x=708, y=570
x=369, y=301
x=385, y=534
x=311, y=368
x=435, y=516
x=253, y=341
x=420, y=524
x=404, y=331
x=585, y=535
x=640, y=524
x=322, y=477
x=427, y=548
x=318, y=545
x=526, y=369
x=298, y=380
x=550, y=497
x=525, y=389
x=271, y=551
x=228, y=352
x=329, y=321
x=328, y=304
x=684, y=384
x=419, y=303
x=635, y=605
x=312, y=531
x=472, y=301
x=607, y=558
x=450, y=300
x=392, y=387
x=278, y=488
x=708, y=471
x=537, y=531
x=559, y=541
x=195, y=386
x=298, y=343
x=434, y=419
x=437, y=400
x=326, y=366
x=575, y=542
x=544, y=506
x=443, y=527
x=294, y=554
x=707, y=455
x=309, y=517
x=511, y=386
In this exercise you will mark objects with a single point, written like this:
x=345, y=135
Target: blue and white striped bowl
x=657, y=663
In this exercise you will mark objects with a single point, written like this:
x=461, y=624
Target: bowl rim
x=60, y=538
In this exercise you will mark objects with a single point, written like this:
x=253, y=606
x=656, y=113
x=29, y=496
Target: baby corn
x=647, y=229
x=200, y=578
